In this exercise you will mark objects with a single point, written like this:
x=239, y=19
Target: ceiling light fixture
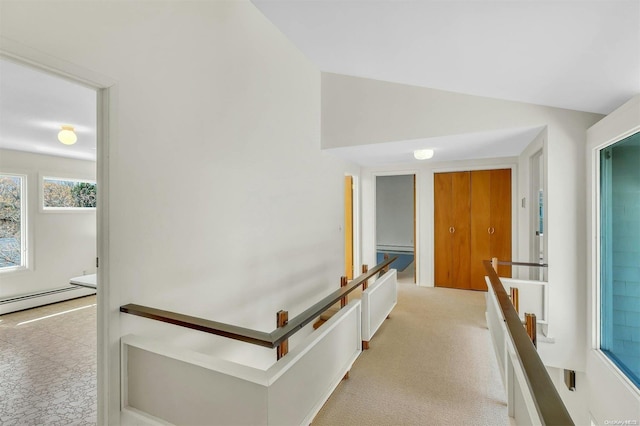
x=423, y=154
x=67, y=135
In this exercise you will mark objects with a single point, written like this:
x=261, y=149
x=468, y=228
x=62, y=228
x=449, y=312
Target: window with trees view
x=12, y=221
x=68, y=193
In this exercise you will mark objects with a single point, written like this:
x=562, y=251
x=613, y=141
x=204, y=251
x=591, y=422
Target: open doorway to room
x=396, y=223
x=48, y=239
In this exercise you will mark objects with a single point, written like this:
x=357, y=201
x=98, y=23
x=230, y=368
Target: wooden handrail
x=260, y=338
x=549, y=405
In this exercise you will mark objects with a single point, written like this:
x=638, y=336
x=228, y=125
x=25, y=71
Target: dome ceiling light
x=423, y=154
x=67, y=135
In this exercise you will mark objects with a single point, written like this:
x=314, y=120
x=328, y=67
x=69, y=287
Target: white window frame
x=596, y=305
x=24, y=225
x=45, y=209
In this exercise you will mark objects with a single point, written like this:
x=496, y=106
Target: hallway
x=431, y=363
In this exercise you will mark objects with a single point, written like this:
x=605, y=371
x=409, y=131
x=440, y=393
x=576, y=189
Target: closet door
x=461, y=235
x=442, y=238
x=452, y=229
x=480, y=226
x=501, y=218
x=490, y=222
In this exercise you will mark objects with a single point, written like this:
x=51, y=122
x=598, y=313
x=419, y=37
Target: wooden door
x=480, y=226
x=348, y=227
x=452, y=229
x=501, y=218
x=442, y=238
x=490, y=222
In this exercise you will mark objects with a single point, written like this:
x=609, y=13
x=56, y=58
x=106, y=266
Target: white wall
x=394, y=212
x=61, y=245
x=610, y=395
x=357, y=111
x=221, y=204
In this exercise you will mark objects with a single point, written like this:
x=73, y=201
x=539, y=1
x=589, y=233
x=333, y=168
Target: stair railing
x=550, y=408
x=278, y=338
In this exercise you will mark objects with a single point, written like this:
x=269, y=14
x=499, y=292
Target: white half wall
x=60, y=245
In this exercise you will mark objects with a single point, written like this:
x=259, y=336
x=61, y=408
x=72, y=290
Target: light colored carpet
x=431, y=363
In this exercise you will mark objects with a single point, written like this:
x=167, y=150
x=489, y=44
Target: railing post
x=343, y=300
x=530, y=324
x=282, y=318
x=515, y=298
x=365, y=284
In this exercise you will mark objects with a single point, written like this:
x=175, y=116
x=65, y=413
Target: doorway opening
x=396, y=223
x=65, y=198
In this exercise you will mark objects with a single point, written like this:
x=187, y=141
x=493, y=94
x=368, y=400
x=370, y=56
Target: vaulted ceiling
x=574, y=54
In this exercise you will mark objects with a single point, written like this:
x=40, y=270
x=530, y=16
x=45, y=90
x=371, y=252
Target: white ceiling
x=33, y=106
x=576, y=54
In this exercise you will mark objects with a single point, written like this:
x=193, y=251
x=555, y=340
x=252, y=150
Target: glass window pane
x=620, y=254
x=11, y=221
x=68, y=193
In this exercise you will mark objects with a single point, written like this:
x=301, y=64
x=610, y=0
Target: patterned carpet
x=48, y=365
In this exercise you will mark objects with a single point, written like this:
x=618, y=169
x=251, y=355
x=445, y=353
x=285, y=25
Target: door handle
x=452, y=229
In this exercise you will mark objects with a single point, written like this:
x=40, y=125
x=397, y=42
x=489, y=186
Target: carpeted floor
x=431, y=363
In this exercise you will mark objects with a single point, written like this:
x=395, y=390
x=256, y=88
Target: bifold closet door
x=452, y=229
x=490, y=222
x=480, y=226
x=501, y=218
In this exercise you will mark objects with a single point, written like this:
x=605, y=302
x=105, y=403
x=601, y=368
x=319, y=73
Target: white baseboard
x=33, y=300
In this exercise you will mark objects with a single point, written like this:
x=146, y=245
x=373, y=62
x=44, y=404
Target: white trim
x=611, y=393
x=26, y=246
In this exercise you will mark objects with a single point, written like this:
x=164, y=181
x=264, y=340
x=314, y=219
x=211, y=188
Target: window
x=59, y=193
x=12, y=222
x=620, y=255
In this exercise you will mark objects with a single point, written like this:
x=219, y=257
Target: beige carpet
x=431, y=363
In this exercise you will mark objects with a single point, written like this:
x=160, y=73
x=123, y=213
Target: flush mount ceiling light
x=67, y=135
x=423, y=154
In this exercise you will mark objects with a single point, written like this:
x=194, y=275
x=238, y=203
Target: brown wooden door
x=480, y=226
x=348, y=227
x=452, y=229
x=490, y=222
x=501, y=218
x=442, y=222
